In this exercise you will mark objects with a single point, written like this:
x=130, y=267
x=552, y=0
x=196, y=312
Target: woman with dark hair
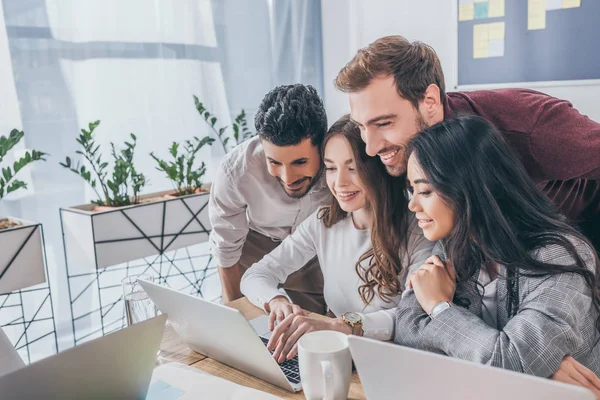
x=362, y=245
x=510, y=283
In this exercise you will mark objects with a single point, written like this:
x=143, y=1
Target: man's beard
x=394, y=170
x=421, y=123
x=312, y=182
x=398, y=170
x=295, y=195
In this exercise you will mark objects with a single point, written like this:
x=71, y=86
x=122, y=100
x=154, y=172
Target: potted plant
x=123, y=225
x=182, y=171
x=21, y=247
x=114, y=189
x=137, y=226
x=240, y=127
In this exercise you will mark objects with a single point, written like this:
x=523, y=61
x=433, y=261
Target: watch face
x=352, y=317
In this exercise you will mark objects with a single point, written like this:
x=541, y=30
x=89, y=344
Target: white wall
x=351, y=24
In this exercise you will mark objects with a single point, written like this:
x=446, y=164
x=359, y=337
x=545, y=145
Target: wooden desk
x=173, y=349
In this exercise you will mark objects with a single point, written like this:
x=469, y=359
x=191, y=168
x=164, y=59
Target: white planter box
x=21, y=256
x=103, y=239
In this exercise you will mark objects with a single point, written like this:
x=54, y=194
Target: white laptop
x=10, y=360
x=115, y=366
x=390, y=371
x=223, y=333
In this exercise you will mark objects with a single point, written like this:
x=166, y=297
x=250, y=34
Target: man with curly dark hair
x=266, y=186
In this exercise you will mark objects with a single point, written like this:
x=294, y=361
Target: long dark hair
x=500, y=215
x=388, y=204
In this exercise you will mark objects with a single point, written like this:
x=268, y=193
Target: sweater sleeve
x=261, y=281
x=566, y=143
x=380, y=324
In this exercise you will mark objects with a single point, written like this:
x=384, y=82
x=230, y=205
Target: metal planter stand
x=15, y=303
x=153, y=238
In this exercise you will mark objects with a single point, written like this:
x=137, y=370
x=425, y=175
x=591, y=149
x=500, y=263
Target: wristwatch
x=439, y=307
x=355, y=322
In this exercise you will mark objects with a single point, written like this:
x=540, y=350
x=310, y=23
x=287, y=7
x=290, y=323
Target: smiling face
x=435, y=217
x=386, y=121
x=295, y=167
x=342, y=176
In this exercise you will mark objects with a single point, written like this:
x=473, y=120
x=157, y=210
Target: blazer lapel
x=467, y=292
x=501, y=296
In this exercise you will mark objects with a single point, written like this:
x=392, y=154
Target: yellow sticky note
x=466, y=12
x=536, y=14
x=480, y=41
x=496, y=9
x=496, y=31
x=481, y=32
x=571, y=3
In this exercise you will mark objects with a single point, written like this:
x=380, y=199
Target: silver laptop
x=222, y=333
x=115, y=366
x=10, y=360
x=390, y=371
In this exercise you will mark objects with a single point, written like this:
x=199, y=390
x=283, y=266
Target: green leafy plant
x=240, y=126
x=115, y=190
x=8, y=183
x=186, y=177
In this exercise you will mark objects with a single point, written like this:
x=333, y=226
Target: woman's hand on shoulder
x=433, y=282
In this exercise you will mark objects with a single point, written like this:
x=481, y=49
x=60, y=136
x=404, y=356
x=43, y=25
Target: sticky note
x=496, y=48
x=466, y=12
x=496, y=31
x=496, y=9
x=536, y=14
x=461, y=2
x=554, y=5
x=571, y=3
x=481, y=32
x=481, y=10
x=481, y=1
x=480, y=40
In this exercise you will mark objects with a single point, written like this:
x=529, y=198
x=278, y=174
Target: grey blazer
x=556, y=318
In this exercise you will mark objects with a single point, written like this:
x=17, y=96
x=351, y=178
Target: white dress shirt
x=338, y=249
x=489, y=297
x=245, y=196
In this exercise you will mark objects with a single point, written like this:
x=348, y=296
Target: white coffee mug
x=325, y=365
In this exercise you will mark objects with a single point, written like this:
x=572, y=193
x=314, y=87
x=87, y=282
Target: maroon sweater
x=559, y=147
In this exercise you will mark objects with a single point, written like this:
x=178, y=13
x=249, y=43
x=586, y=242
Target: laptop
x=390, y=371
x=10, y=360
x=223, y=333
x=115, y=366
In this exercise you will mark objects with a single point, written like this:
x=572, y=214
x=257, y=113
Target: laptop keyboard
x=289, y=367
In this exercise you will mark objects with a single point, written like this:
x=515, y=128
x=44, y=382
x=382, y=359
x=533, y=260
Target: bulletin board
x=516, y=41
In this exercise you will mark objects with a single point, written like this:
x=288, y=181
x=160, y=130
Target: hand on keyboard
x=285, y=336
x=279, y=308
x=289, y=367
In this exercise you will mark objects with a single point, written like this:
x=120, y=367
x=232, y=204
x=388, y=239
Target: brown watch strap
x=357, y=330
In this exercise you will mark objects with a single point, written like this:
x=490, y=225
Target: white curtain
x=135, y=65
